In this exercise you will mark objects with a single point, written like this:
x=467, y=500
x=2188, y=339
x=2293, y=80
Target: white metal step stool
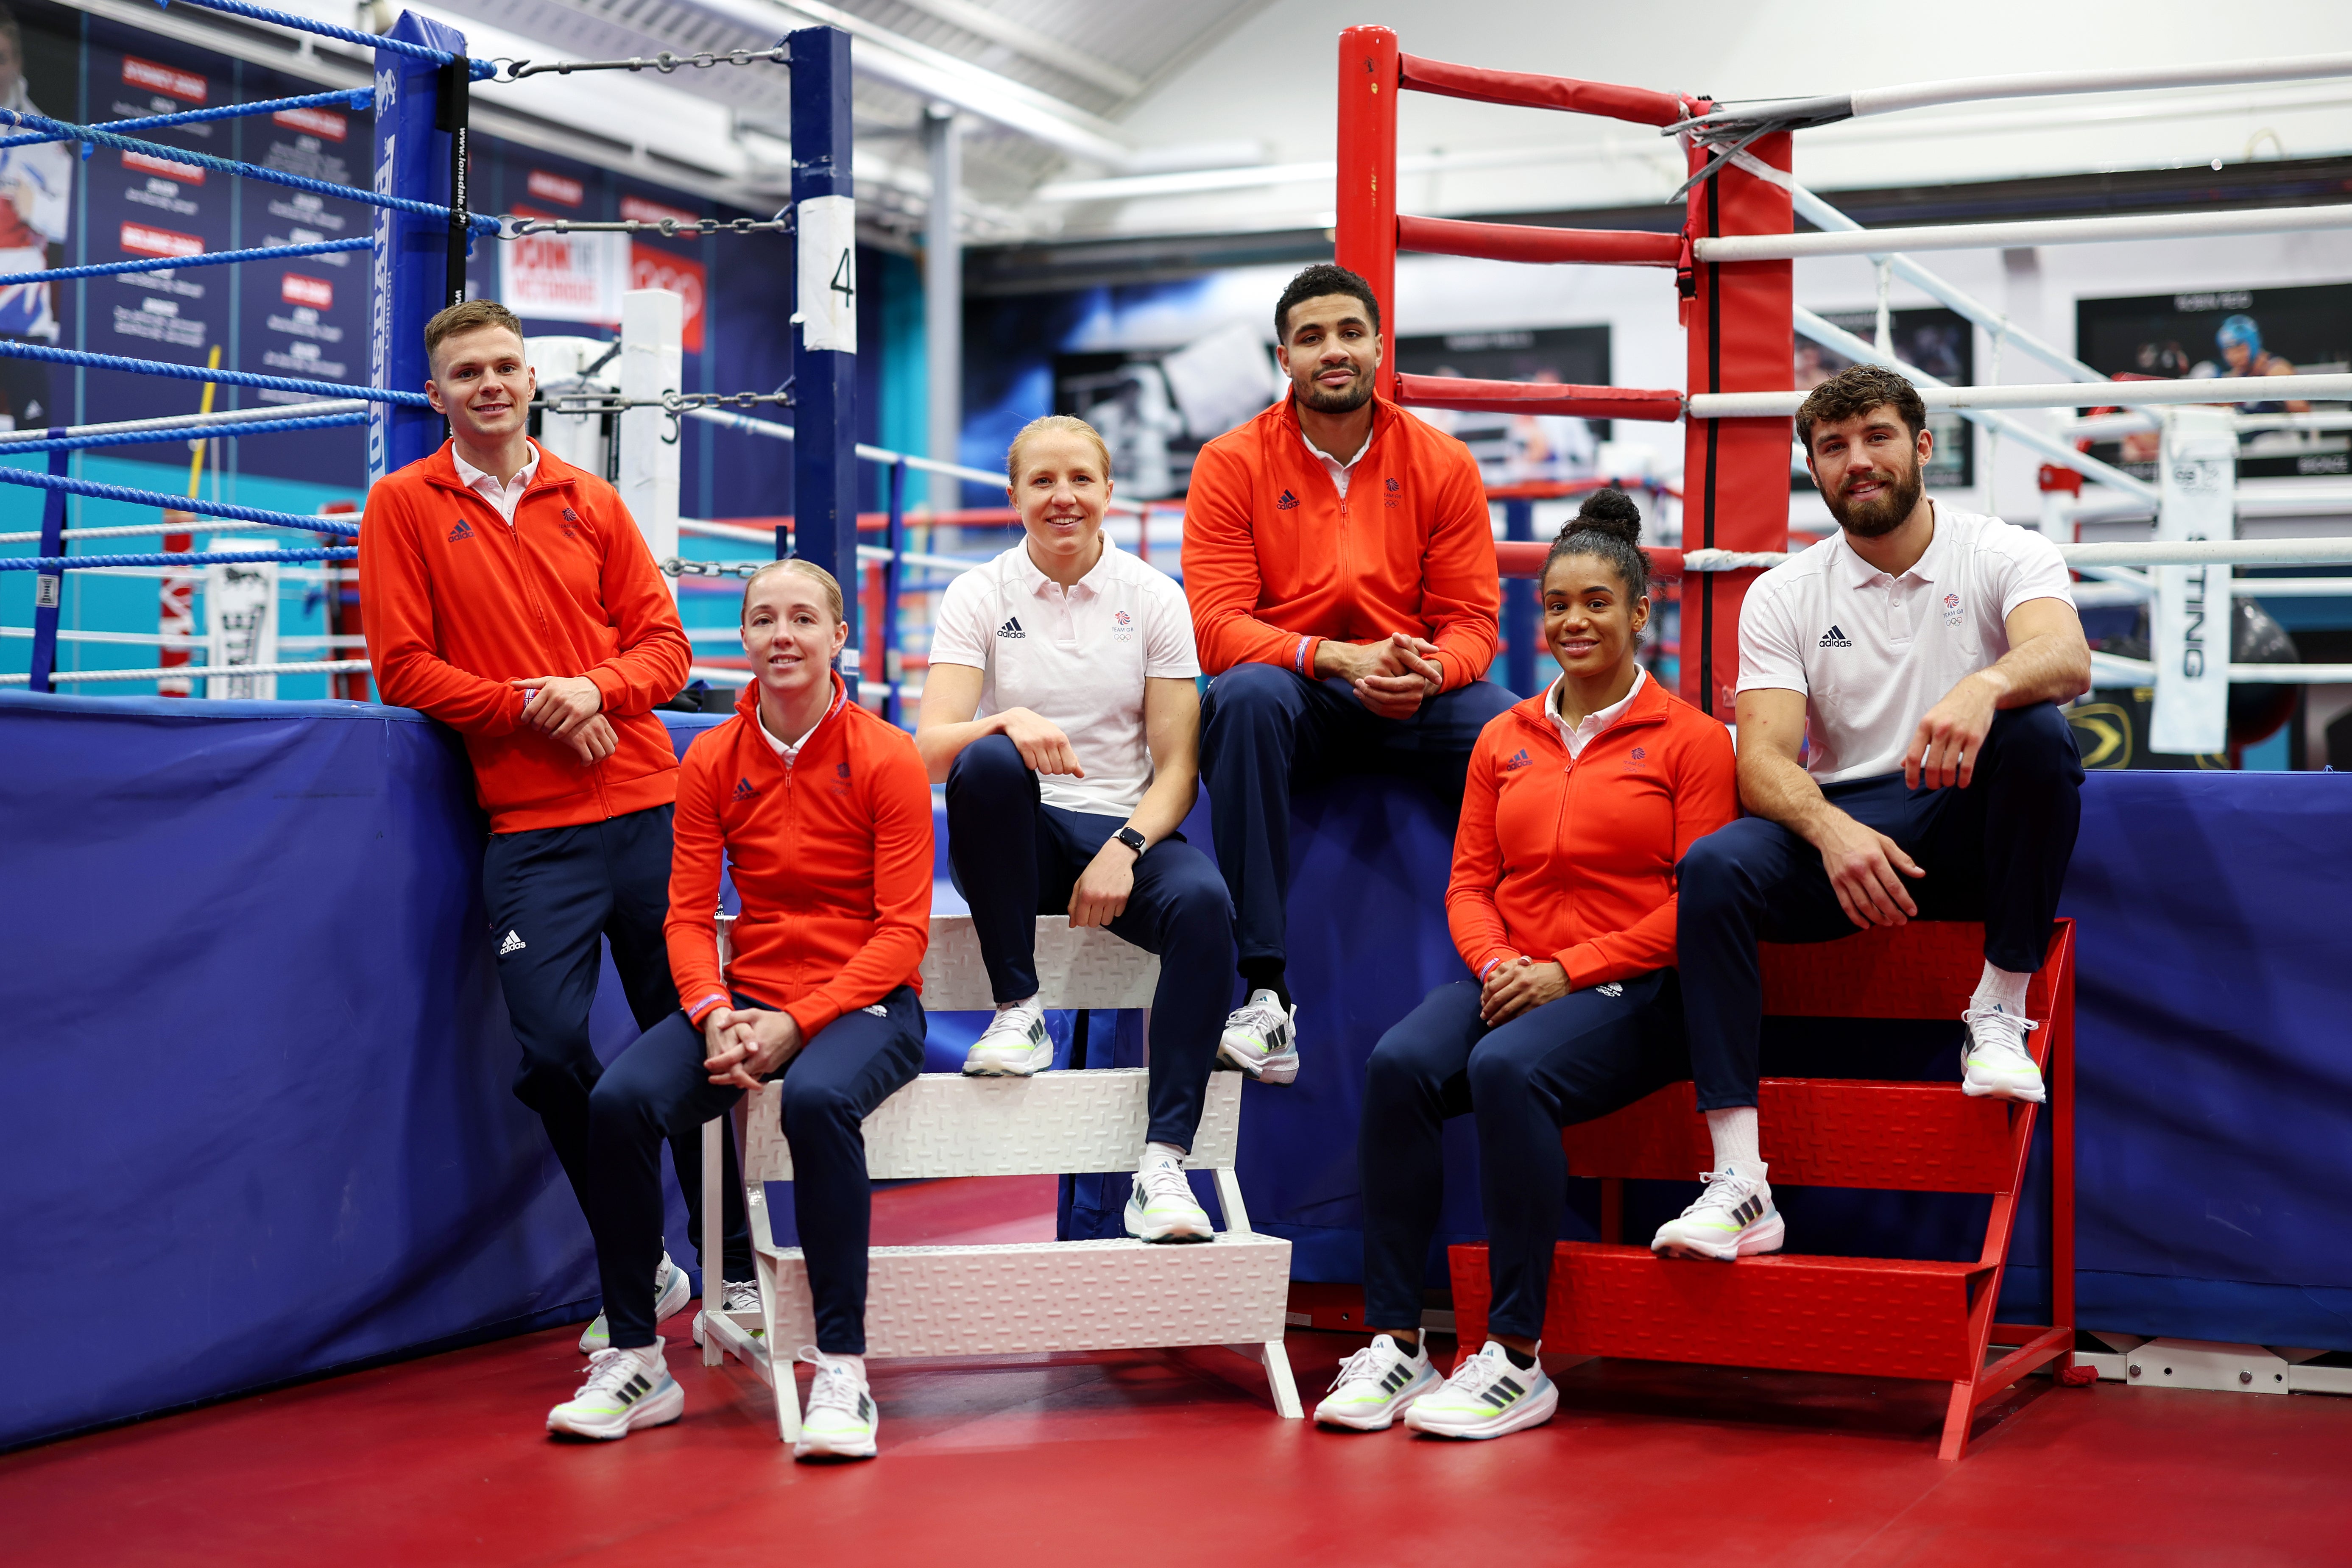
x=1032, y=1296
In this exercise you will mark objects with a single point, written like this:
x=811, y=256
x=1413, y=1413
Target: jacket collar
x=746, y=704
x=1649, y=706
x=1385, y=417
x=441, y=468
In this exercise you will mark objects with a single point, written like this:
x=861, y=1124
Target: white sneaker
x=625, y=1389
x=1261, y=1038
x=1161, y=1206
x=673, y=1288
x=1486, y=1397
x=1013, y=1045
x=1995, y=1062
x=841, y=1419
x=1732, y=1219
x=739, y=1296
x=1377, y=1383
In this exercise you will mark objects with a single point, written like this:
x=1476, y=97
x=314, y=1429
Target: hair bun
x=1608, y=511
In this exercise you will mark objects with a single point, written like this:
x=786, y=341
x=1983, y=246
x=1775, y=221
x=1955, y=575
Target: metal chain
x=674, y=567
x=511, y=227
x=511, y=69
x=669, y=402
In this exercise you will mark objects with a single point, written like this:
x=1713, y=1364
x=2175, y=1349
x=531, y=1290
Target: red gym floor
x=1177, y=1458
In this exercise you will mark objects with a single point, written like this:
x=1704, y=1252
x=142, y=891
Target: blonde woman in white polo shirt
x=1918, y=658
x=1061, y=711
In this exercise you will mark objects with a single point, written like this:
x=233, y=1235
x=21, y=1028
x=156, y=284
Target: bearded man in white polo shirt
x=1902, y=755
x=1061, y=712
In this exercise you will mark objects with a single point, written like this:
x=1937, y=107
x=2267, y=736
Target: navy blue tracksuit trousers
x=1994, y=851
x=1015, y=858
x=1265, y=731
x=658, y=1090
x=1584, y=1055
x=551, y=894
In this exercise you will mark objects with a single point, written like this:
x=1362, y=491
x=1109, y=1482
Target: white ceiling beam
x=1043, y=48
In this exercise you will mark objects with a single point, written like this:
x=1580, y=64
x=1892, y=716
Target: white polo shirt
x=1077, y=657
x=1873, y=652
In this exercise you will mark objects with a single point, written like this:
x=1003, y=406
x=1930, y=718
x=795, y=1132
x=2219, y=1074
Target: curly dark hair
x=1317, y=281
x=1609, y=525
x=1857, y=389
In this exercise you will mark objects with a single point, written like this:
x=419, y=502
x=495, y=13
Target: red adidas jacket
x=1276, y=561
x=831, y=855
x=1574, y=860
x=456, y=604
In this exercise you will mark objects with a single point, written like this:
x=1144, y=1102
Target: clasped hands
x=1391, y=679
x=744, y=1046
x=569, y=710
x=1516, y=984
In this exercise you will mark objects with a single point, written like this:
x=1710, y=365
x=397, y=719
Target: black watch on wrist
x=1132, y=840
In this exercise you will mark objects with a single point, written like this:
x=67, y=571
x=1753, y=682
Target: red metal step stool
x=1890, y=1318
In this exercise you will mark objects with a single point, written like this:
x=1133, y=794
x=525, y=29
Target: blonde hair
x=467, y=317
x=1047, y=424
x=808, y=569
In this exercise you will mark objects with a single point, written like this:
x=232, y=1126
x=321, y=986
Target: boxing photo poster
x=1517, y=448
x=2239, y=336
x=1934, y=339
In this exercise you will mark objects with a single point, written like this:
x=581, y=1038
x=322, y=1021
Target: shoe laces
x=1724, y=1189
x=1367, y=1365
x=1998, y=1028
x=836, y=1385
x=742, y=1296
x=1477, y=1371
x=611, y=1367
x=1265, y=1015
x=1016, y=1021
x=1157, y=1182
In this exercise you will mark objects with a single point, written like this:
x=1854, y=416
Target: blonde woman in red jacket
x=823, y=812
x=1579, y=804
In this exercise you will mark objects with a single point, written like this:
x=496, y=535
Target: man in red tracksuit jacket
x=1340, y=562
x=510, y=596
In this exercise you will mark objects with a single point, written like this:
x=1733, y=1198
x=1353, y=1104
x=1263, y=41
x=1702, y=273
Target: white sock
x=1028, y=1001
x=1160, y=1154
x=1733, y=1128
x=2003, y=988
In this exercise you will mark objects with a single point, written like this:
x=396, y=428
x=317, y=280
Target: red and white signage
x=324, y=123
x=564, y=277
x=147, y=164
x=560, y=189
x=169, y=80
x=651, y=268
x=315, y=292
x=145, y=239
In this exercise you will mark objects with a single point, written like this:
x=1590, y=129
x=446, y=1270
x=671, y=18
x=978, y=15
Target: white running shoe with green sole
x=1995, y=1062
x=1162, y=1208
x=1732, y=1220
x=1486, y=1397
x=1013, y=1045
x=1375, y=1386
x=1261, y=1038
x=625, y=1389
x=841, y=1420
x=673, y=1288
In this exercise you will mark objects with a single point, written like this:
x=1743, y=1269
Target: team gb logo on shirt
x=1951, y=610
x=1122, y=626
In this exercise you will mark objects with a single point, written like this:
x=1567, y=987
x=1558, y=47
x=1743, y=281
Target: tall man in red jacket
x=1341, y=561
x=510, y=596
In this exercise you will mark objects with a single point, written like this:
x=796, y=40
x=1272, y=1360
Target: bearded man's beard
x=1337, y=399
x=1884, y=513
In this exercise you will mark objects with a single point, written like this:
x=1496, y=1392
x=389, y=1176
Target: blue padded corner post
x=49, y=587
x=1521, y=637
x=825, y=348
x=411, y=252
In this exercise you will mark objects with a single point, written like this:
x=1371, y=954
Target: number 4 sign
x=828, y=273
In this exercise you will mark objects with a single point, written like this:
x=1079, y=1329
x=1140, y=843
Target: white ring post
x=2190, y=622
x=653, y=359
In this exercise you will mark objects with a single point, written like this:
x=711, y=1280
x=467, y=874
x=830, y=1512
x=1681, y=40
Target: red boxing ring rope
x=1538, y=397
x=1525, y=90
x=1519, y=242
